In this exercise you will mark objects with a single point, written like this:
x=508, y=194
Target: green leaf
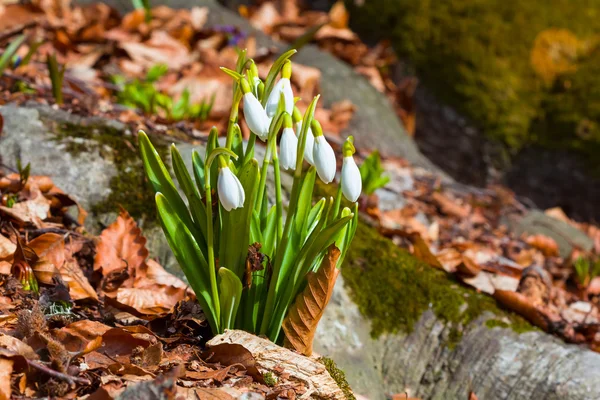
x=161, y=182
x=270, y=233
x=197, y=208
x=155, y=72
x=189, y=256
x=198, y=168
x=238, y=146
x=236, y=224
x=230, y=294
x=10, y=51
x=304, y=202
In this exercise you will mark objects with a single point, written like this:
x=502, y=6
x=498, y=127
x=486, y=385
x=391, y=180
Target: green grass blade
x=189, y=256
x=10, y=51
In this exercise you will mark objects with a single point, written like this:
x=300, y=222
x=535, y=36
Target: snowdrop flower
x=323, y=154
x=255, y=115
x=288, y=147
x=282, y=86
x=310, y=140
x=230, y=190
x=351, y=180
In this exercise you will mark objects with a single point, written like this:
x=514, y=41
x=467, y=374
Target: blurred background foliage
x=525, y=72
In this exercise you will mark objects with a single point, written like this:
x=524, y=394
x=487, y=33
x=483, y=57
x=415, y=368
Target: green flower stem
x=336, y=205
x=233, y=118
x=249, y=154
x=211, y=251
x=262, y=186
x=212, y=269
x=278, y=200
x=274, y=283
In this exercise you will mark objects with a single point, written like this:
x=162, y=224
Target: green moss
x=393, y=289
x=338, y=376
x=502, y=64
x=270, y=379
x=496, y=323
x=129, y=188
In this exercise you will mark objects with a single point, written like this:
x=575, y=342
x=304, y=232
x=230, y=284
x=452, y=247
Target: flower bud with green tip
x=323, y=154
x=253, y=77
x=351, y=181
x=255, y=114
x=288, y=146
x=230, y=190
x=310, y=140
x=282, y=86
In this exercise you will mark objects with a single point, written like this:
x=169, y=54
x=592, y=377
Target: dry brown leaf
x=338, y=15
x=161, y=48
x=32, y=211
x=303, y=316
x=149, y=301
x=545, y=244
x=449, y=258
x=6, y=369
x=121, y=248
x=50, y=246
x=18, y=347
x=472, y=396
x=422, y=252
x=7, y=248
x=449, y=206
x=521, y=305
x=266, y=17
x=79, y=286
x=233, y=354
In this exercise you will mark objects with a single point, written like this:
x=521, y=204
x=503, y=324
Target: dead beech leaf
x=7, y=248
x=32, y=211
x=79, y=286
x=338, y=15
x=121, y=248
x=521, y=305
x=422, y=252
x=303, y=316
x=161, y=48
x=6, y=369
x=472, y=396
x=149, y=301
x=543, y=243
x=50, y=246
x=449, y=206
x=18, y=347
x=233, y=354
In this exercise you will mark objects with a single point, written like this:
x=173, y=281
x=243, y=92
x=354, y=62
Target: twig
x=59, y=375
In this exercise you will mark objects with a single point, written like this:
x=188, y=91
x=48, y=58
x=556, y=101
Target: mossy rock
x=523, y=72
x=394, y=289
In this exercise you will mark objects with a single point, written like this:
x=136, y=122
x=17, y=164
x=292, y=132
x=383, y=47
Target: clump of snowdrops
x=243, y=259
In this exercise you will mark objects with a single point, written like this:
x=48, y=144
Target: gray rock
x=566, y=236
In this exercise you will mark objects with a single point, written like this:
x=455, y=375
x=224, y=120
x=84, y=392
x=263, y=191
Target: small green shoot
x=143, y=4
x=372, y=174
x=57, y=74
x=586, y=270
x=143, y=95
x=10, y=51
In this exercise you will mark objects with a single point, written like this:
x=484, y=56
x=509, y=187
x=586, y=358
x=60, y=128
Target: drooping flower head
x=282, y=86
x=351, y=180
x=323, y=154
x=310, y=140
x=230, y=190
x=255, y=114
x=288, y=147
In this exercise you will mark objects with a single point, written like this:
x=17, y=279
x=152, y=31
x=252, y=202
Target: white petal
x=230, y=190
x=255, y=115
x=288, y=148
x=324, y=158
x=283, y=85
x=351, y=180
x=310, y=143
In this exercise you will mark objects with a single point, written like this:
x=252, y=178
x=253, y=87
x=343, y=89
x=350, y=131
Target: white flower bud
x=324, y=159
x=230, y=190
x=310, y=143
x=351, y=179
x=288, y=148
x=282, y=86
x=256, y=117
